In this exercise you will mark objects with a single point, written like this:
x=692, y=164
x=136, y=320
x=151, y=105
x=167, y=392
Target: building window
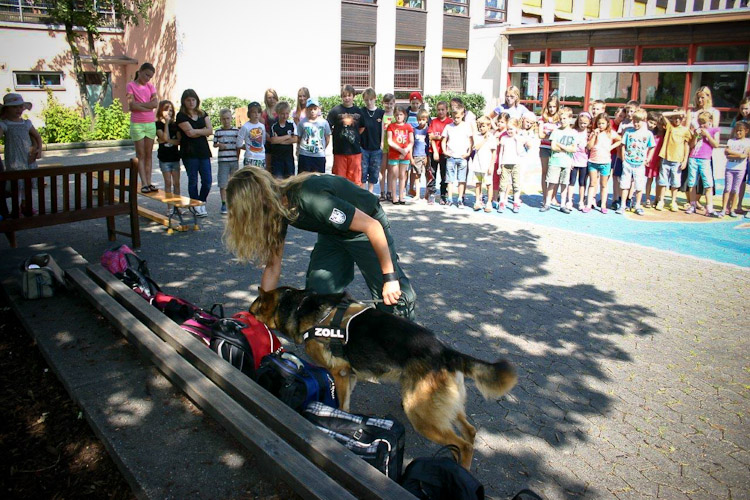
x=36, y=12
x=727, y=90
x=532, y=89
x=94, y=87
x=614, y=56
x=36, y=80
x=569, y=56
x=722, y=53
x=664, y=55
x=453, y=75
x=411, y=4
x=495, y=11
x=611, y=87
x=356, y=65
x=407, y=75
x=569, y=87
x=662, y=89
x=528, y=57
x=460, y=7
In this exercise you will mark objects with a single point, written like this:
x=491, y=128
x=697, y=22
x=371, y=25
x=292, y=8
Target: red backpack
x=243, y=341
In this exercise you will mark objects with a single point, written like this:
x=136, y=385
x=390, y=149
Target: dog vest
x=333, y=329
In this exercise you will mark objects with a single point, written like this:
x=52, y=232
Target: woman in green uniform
x=352, y=229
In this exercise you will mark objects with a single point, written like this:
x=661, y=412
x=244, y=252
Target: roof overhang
x=120, y=60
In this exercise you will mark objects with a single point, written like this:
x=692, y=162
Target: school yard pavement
x=634, y=362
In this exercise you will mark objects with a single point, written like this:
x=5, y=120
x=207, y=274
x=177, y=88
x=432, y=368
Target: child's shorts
x=371, y=161
x=670, y=174
x=420, y=162
x=558, y=175
x=399, y=162
x=578, y=174
x=509, y=176
x=604, y=169
x=311, y=164
x=545, y=152
x=140, y=130
x=702, y=167
x=251, y=162
x=282, y=167
x=633, y=175
x=226, y=169
x=456, y=170
x=617, y=167
x=479, y=177
x=733, y=180
x=169, y=166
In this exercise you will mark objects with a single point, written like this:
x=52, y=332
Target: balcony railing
x=37, y=12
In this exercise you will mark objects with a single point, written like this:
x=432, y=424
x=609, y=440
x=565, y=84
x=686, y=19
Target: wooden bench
x=174, y=220
x=70, y=194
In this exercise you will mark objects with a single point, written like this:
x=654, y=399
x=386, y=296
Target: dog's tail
x=492, y=379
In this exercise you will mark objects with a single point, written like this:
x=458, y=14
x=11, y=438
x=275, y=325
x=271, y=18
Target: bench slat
x=280, y=458
x=53, y=194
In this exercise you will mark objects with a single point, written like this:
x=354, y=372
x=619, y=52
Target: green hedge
x=64, y=124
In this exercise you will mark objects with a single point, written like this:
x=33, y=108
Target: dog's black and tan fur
x=386, y=347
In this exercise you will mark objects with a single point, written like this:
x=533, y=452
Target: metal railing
x=37, y=12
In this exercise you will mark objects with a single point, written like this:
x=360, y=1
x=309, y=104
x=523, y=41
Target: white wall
x=486, y=67
x=245, y=47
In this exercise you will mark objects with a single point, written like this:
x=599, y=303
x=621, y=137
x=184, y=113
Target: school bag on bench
x=131, y=270
x=243, y=341
x=378, y=441
x=40, y=277
x=296, y=382
x=190, y=317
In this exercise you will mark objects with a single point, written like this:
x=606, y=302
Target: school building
x=656, y=51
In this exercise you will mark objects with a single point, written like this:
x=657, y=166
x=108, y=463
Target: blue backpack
x=296, y=382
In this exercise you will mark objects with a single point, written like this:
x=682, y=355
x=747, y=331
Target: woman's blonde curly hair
x=257, y=215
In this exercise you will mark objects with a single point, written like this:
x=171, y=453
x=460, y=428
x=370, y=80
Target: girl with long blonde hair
x=702, y=102
x=349, y=221
x=548, y=123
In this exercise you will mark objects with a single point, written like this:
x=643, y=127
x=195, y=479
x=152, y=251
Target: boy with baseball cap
x=314, y=134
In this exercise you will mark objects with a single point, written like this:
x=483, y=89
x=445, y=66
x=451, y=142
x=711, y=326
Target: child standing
x=437, y=154
x=509, y=159
x=23, y=144
x=501, y=126
x=389, y=104
x=485, y=155
x=548, y=122
x=602, y=142
x=579, y=170
x=281, y=143
x=705, y=139
x=314, y=136
x=652, y=169
x=371, y=139
x=345, y=121
x=416, y=103
x=743, y=116
x=637, y=149
x=674, y=152
x=418, y=166
x=562, y=146
x=400, y=144
x=457, y=144
x=738, y=149
x=195, y=127
x=142, y=101
x=169, y=156
x=252, y=137
x=226, y=141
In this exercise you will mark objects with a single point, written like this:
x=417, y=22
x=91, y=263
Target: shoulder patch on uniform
x=337, y=216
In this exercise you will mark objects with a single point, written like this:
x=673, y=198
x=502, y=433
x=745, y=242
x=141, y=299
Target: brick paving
x=634, y=372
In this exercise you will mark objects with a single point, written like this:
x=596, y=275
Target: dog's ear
x=309, y=304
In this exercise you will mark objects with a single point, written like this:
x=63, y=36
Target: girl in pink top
x=602, y=141
x=548, y=123
x=142, y=101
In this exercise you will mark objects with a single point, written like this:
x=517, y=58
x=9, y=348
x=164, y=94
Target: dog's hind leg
x=468, y=431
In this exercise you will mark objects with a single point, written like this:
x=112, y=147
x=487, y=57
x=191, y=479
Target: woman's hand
x=391, y=292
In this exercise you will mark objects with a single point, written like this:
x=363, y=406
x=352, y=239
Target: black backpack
x=441, y=478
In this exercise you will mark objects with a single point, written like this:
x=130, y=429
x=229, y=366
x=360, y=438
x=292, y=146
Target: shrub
x=61, y=123
x=110, y=123
x=473, y=102
x=212, y=106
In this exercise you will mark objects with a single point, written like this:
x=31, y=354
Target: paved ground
x=633, y=362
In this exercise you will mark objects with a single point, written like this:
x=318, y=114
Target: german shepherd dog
x=384, y=347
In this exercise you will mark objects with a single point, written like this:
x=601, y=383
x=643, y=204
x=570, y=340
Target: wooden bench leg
x=11, y=235
x=111, y=229
x=135, y=230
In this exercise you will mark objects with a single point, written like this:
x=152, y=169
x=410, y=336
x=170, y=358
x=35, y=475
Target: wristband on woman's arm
x=388, y=277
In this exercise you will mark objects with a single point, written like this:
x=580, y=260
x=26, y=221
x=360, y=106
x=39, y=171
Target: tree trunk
x=97, y=68
x=70, y=36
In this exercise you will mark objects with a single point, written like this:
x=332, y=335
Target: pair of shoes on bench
x=149, y=189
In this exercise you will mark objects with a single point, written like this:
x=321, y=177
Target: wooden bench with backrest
x=70, y=194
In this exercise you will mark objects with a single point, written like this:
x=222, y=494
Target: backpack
x=243, y=341
x=131, y=270
x=296, y=382
x=378, y=441
x=190, y=317
x=441, y=478
x=40, y=277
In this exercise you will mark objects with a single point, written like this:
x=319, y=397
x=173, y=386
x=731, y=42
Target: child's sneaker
x=581, y=207
x=488, y=208
x=516, y=208
x=674, y=208
x=460, y=204
x=747, y=214
x=619, y=210
x=720, y=214
x=586, y=210
x=604, y=210
x=714, y=214
x=569, y=206
x=565, y=210
x=647, y=203
x=223, y=209
x=690, y=209
x=659, y=206
x=544, y=208
x=431, y=200
x=615, y=205
x=477, y=207
x=501, y=208
x=733, y=214
x=639, y=211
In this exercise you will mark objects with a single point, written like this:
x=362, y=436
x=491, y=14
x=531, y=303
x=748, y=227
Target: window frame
x=593, y=56
x=528, y=65
x=723, y=61
x=420, y=87
x=39, y=75
x=640, y=48
x=371, y=55
x=492, y=20
x=567, y=49
x=462, y=70
x=410, y=7
x=458, y=4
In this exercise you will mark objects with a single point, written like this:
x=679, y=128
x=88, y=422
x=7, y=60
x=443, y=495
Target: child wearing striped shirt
x=225, y=140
